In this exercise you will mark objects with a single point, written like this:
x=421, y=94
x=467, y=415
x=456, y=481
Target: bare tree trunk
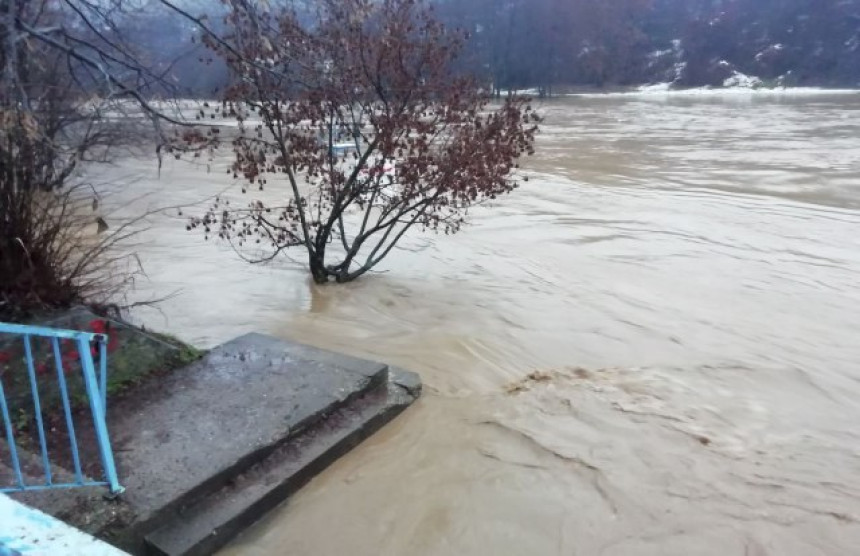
x=11, y=47
x=11, y=78
x=319, y=272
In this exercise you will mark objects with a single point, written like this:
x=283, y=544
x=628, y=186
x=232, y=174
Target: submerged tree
x=359, y=121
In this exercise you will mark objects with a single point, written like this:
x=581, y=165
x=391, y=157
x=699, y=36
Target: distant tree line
x=544, y=43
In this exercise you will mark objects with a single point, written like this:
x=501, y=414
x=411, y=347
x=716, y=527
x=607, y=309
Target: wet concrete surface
x=243, y=397
x=206, y=526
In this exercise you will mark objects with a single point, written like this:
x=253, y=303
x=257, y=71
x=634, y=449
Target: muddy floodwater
x=651, y=348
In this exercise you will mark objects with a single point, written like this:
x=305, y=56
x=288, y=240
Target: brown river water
x=683, y=272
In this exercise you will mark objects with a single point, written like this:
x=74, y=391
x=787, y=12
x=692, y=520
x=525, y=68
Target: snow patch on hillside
x=742, y=81
x=668, y=90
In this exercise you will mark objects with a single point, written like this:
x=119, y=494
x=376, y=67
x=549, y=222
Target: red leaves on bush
x=101, y=326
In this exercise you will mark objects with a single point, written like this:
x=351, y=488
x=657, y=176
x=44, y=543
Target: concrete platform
x=206, y=451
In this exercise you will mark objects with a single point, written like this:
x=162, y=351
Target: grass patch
x=134, y=357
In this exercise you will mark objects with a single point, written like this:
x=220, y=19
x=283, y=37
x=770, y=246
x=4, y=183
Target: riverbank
x=203, y=449
x=136, y=359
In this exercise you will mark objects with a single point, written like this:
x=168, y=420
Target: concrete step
x=211, y=522
x=206, y=424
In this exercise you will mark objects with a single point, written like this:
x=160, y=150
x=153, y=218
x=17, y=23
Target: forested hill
x=542, y=43
x=524, y=44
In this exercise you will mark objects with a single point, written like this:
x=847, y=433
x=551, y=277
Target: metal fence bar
x=98, y=411
x=64, y=394
x=37, y=408
x=10, y=437
x=24, y=330
x=103, y=371
x=29, y=488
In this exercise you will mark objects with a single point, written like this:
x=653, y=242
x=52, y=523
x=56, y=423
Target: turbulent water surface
x=679, y=278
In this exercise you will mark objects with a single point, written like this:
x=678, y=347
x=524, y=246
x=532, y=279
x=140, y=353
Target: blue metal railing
x=95, y=388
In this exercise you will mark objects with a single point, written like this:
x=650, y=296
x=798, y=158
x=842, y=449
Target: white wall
x=28, y=532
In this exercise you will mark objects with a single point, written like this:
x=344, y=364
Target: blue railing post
x=67, y=409
x=10, y=436
x=99, y=418
x=37, y=408
x=102, y=340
